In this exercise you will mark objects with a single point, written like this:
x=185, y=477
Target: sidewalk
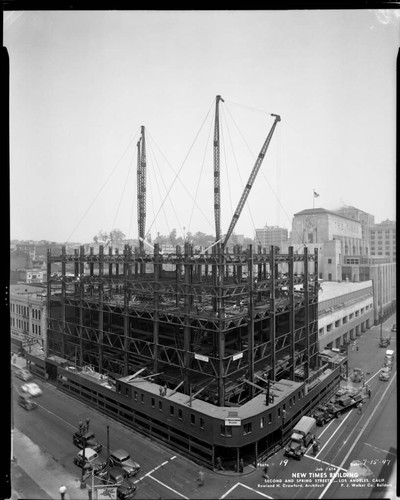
x=32, y=467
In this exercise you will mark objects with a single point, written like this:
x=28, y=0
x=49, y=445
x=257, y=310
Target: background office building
x=271, y=235
x=383, y=239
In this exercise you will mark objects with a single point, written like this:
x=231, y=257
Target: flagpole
x=313, y=199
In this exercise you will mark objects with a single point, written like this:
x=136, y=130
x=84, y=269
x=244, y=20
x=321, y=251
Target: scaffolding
x=214, y=321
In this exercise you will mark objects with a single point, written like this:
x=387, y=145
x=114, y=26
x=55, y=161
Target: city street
x=368, y=438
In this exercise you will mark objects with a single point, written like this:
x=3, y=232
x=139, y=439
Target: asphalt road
x=368, y=438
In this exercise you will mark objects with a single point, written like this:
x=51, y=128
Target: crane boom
x=217, y=193
x=250, y=182
x=141, y=187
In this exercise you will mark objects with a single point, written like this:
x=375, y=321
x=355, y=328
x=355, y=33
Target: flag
x=316, y=194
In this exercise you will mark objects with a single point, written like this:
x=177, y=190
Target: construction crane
x=251, y=180
x=217, y=191
x=141, y=188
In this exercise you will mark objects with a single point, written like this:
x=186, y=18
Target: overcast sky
x=83, y=83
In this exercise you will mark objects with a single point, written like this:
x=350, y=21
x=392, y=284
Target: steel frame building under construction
x=213, y=353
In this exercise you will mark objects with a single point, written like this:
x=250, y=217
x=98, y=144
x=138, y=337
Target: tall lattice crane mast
x=217, y=191
x=250, y=182
x=141, y=187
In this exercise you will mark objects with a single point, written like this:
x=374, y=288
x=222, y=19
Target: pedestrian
x=165, y=389
x=161, y=390
x=219, y=465
x=200, y=479
x=62, y=491
x=357, y=347
x=265, y=472
x=241, y=465
x=359, y=407
x=369, y=393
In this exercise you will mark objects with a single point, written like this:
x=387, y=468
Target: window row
x=342, y=321
x=24, y=310
x=226, y=430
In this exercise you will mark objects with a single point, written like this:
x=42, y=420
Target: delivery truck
x=302, y=435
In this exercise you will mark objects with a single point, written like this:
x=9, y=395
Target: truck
x=357, y=375
x=345, y=403
x=389, y=356
x=302, y=435
x=322, y=415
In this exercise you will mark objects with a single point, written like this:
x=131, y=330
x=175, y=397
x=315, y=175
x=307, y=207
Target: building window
x=160, y=405
x=201, y=423
x=270, y=418
x=172, y=410
x=135, y=396
x=329, y=328
x=153, y=402
x=344, y=319
x=192, y=418
x=247, y=428
x=337, y=323
x=142, y=398
x=180, y=414
x=329, y=261
x=262, y=422
x=226, y=430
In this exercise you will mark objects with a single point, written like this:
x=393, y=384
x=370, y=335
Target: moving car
x=92, y=460
x=121, y=458
x=32, y=389
x=26, y=402
x=23, y=374
x=126, y=488
x=87, y=439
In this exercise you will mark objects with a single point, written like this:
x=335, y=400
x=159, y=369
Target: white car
x=32, y=389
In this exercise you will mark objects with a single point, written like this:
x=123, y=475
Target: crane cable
x=102, y=187
x=180, y=169
x=236, y=162
x=269, y=185
x=200, y=175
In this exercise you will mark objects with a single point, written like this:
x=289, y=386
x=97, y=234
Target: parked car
x=126, y=487
x=121, y=458
x=23, y=374
x=32, y=389
x=87, y=439
x=26, y=402
x=385, y=374
x=92, y=461
x=384, y=342
x=394, y=328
